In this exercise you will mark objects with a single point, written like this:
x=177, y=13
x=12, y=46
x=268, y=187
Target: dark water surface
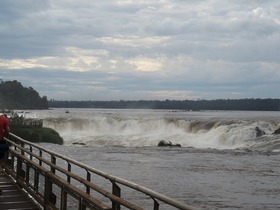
x=206, y=179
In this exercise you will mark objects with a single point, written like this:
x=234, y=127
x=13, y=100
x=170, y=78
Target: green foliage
x=14, y=96
x=32, y=129
x=38, y=135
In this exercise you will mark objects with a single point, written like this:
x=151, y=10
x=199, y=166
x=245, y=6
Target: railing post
x=49, y=196
x=82, y=206
x=53, y=160
x=52, y=195
x=40, y=154
x=47, y=192
x=156, y=204
x=63, y=202
x=69, y=169
x=31, y=150
x=36, y=180
x=22, y=145
x=28, y=167
x=116, y=191
x=88, y=179
x=19, y=168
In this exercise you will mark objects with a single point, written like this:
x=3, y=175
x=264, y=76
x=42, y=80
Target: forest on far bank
x=195, y=105
x=14, y=96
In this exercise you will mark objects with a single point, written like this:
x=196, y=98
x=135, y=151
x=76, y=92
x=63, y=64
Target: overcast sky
x=142, y=49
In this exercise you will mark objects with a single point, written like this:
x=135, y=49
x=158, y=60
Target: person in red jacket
x=4, y=126
x=4, y=130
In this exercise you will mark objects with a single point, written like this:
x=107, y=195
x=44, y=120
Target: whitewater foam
x=114, y=129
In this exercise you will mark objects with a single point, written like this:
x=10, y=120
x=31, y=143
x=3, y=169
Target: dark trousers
x=4, y=147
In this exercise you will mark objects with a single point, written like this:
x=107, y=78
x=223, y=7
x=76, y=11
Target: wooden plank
x=13, y=197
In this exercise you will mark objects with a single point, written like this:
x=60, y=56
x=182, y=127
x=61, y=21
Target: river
x=221, y=163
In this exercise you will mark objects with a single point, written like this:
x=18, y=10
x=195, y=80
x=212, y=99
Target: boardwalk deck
x=12, y=197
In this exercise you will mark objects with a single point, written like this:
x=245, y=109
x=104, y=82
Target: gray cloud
x=152, y=49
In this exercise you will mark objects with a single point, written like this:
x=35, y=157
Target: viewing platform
x=37, y=178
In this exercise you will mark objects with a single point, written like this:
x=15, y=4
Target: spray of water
x=106, y=130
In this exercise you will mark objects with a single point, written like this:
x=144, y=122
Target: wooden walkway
x=13, y=197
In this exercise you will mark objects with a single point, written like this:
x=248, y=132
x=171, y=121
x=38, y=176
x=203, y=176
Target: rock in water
x=277, y=131
x=164, y=143
x=259, y=132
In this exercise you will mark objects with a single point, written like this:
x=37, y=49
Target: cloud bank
x=146, y=49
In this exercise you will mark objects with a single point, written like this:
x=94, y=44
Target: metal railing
x=51, y=179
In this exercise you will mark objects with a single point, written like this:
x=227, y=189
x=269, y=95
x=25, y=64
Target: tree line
x=219, y=104
x=14, y=96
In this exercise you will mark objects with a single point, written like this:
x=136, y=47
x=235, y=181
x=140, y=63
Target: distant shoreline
x=186, y=105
